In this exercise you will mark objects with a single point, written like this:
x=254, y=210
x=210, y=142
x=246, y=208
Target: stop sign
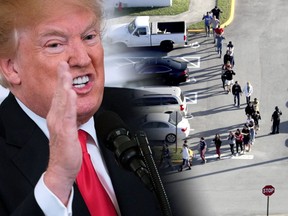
x=268, y=190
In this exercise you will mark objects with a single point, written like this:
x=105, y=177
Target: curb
x=232, y=13
x=224, y=25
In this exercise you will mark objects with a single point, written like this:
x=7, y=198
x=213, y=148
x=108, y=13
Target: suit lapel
x=27, y=145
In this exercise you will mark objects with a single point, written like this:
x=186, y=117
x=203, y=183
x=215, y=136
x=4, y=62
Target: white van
x=160, y=100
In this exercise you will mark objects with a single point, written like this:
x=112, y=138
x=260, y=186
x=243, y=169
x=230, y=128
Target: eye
x=53, y=45
x=92, y=38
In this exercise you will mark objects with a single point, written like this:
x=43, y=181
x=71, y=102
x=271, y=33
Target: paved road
x=233, y=186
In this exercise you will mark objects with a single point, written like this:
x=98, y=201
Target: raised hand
x=65, y=150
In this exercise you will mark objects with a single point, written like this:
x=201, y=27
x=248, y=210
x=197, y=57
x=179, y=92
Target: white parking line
x=193, y=62
x=191, y=97
x=226, y=156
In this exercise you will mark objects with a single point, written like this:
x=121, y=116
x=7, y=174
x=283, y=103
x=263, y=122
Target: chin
x=86, y=110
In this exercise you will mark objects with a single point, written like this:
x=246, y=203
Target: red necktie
x=91, y=189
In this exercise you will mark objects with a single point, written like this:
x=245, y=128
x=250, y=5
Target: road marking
x=189, y=116
x=226, y=156
x=194, y=45
x=193, y=62
x=243, y=157
x=191, y=97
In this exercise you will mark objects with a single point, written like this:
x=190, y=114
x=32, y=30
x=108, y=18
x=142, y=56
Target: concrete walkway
x=195, y=13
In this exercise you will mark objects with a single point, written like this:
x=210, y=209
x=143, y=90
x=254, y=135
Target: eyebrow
x=93, y=25
x=60, y=33
x=52, y=33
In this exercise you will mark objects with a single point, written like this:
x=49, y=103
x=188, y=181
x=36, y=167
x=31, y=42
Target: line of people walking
x=242, y=139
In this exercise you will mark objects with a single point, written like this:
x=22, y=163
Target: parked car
x=143, y=33
x=163, y=126
x=160, y=100
x=168, y=71
x=127, y=72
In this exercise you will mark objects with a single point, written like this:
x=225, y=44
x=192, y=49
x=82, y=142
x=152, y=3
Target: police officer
x=276, y=120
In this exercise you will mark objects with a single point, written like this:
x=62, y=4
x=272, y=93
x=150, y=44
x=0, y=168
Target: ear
x=9, y=71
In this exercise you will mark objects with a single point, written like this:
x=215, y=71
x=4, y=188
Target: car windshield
x=131, y=26
x=175, y=117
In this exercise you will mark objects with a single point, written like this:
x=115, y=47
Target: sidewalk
x=195, y=13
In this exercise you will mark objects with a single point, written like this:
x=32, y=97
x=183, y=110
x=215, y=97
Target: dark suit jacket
x=24, y=153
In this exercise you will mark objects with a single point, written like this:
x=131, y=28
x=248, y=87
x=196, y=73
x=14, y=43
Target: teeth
x=80, y=82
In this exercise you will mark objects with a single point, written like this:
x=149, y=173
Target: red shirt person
x=219, y=30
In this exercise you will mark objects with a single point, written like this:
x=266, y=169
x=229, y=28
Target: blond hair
x=19, y=14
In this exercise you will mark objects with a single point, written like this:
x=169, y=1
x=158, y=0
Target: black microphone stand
x=155, y=177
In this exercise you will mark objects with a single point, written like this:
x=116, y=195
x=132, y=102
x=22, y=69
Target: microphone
x=114, y=134
x=133, y=154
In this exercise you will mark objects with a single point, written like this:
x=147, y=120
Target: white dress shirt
x=47, y=201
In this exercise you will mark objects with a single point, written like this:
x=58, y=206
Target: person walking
x=229, y=78
x=249, y=109
x=191, y=156
x=228, y=57
x=257, y=117
x=216, y=12
x=165, y=157
x=219, y=30
x=256, y=104
x=248, y=91
x=237, y=92
x=223, y=75
x=219, y=44
x=246, y=137
x=202, y=148
x=251, y=127
x=239, y=141
x=214, y=23
x=185, y=157
x=230, y=48
x=207, y=22
x=217, y=141
x=276, y=120
x=231, y=142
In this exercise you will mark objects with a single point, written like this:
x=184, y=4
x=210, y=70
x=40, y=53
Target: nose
x=78, y=55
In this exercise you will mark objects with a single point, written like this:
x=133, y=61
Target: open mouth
x=80, y=82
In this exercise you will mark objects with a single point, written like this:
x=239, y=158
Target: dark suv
x=167, y=71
